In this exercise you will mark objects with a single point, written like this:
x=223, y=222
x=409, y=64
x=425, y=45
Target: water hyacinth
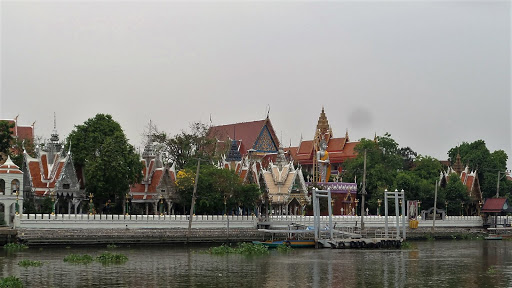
x=241, y=248
x=11, y=282
x=78, y=259
x=15, y=246
x=30, y=263
x=108, y=257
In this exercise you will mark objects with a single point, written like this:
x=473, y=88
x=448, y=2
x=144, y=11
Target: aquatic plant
x=491, y=270
x=112, y=246
x=30, y=263
x=107, y=258
x=11, y=282
x=15, y=246
x=78, y=259
x=241, y=248
x=406, y=245
x=284, y=248
x=430, y=237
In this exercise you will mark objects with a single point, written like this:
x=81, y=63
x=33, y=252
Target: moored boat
x=291, y=243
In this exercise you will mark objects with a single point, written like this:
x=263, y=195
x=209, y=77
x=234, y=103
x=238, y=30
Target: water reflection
x=428, y=264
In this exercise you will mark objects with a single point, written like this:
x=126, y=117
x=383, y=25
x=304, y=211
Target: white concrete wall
x=44, y=221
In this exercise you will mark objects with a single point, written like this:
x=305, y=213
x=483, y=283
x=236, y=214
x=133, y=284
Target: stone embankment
x=169, y=236
x=134, y=236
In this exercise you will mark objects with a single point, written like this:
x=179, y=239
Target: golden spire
x=323, y=130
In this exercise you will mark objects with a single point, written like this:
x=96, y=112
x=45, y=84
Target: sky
x=433, y=74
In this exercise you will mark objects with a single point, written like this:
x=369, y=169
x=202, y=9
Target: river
x=461, y=263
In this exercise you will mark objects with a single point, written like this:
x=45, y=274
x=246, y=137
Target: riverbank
x=168, y=236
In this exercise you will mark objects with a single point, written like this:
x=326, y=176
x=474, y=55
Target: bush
x=11, y=282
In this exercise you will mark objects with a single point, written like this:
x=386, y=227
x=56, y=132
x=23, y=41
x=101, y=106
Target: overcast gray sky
x=431, y=73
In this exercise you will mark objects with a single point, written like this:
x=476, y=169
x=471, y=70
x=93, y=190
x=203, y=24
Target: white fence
x=44, y=221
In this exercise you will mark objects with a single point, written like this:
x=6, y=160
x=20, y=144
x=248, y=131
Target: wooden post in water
x=193, y=200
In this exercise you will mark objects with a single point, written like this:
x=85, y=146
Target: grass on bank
x=11, y=282
x=241, y=248
x=30, y=263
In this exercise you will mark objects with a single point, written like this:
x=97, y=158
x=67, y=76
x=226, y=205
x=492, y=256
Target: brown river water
x=463, y=263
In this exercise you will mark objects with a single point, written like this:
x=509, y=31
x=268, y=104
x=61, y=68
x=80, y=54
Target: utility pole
x=435, y=209
x=193, y=199
x=363, y=191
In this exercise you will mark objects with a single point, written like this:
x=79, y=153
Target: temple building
x=157, y=190
x=19, y=132
x=322, y=161
x=11, y=179
x=286, y=190
x=470, y=180
x=256, y=138
x=337, y=149
x=52, y=174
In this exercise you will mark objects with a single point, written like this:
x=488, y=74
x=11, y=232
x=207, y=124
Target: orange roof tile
x=335, y=144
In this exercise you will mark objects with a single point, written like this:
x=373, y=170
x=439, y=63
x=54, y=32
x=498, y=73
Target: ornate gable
x=265, y=142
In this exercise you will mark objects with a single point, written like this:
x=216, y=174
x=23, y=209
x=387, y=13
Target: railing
x=222, y=221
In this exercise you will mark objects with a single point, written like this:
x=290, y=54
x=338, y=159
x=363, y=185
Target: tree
x=109, y=161
x=487, y=164
x=383, y=161
x=5, y=136
x=185, y=147
x=455, y=193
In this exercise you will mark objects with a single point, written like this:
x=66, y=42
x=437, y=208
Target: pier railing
x=220, y=221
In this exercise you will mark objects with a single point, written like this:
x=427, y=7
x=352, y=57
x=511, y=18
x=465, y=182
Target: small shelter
x=495, y=207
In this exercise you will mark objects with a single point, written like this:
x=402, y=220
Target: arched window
x=2, y=186
x=15, y=186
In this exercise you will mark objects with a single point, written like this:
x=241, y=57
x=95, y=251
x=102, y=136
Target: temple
x=322, y=160
x=157, y=190
x=19, y=132
x=11, y=179
x=470, y=180
x=338, y=150
x=52, y=174
x=256, y=138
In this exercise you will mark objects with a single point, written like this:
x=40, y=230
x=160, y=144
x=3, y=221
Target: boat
x=290, y=243
x=493, y=237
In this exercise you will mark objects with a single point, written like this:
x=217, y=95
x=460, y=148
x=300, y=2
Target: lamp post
x=419, y=208
x=127, y=210
x=357, y=201
x=91, y=205
x=52, y=195
x=479, y=206
x=446, y=207
x=17, y=204
x=332, y=205
x=161, y=205
x=400, y=204
x=379, y=202
x=225, y=206
x=462, y=208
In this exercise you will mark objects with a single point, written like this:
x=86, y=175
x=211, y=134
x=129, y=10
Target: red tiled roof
x=348, y=150
x=25, y=132
x=248, y=132
x=469, y=182
x=138, y=187
x=305, y=147
x=336, y=144
x=35, y=173
x=494, y=205
x=292, y=151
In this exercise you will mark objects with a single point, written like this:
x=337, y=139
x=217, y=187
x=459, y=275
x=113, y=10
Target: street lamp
x=462, y=207
x=379, y=202
x=161, y=205
x=91, y=205
x=17, y=205
x=52, y=196
x=357, y=201
x=446, y=207
x=127, y=197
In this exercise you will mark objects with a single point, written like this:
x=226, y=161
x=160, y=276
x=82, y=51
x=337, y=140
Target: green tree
x=5, y=136
x=109, y=161
x=455, y=193
x=487, y=164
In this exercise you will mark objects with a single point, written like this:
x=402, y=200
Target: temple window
x=65, y=186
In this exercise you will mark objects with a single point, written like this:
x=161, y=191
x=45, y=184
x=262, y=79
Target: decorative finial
x=54, y=121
